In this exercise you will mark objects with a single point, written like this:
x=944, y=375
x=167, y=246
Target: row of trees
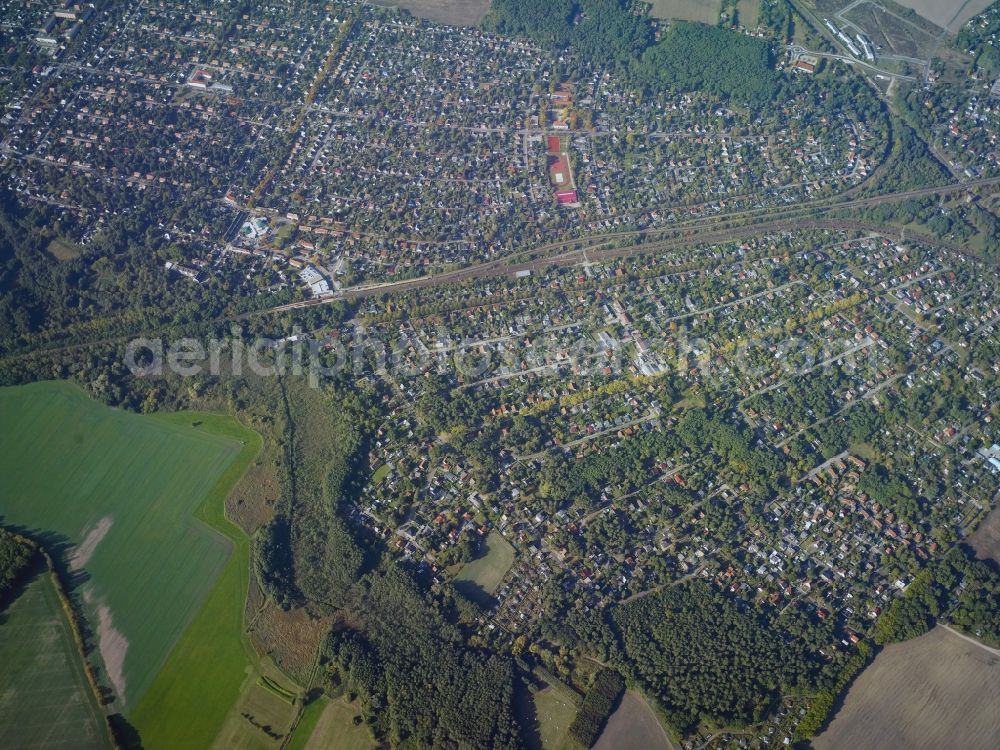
x=16, y=553
x=600, y=701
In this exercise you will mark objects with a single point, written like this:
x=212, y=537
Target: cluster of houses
x=390, y=147
x=822, y=544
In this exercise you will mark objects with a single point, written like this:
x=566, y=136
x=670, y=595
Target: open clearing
x=948, y=14
x=934, y=691
x=260, y=718
x=121, y=491
x=555, y=711
x=63, y=249
x=45, y=701
x=480, y=578
x=706, y=11
x=633, y=726
x=454, y=12
x=747, y=12
x=307, y=723
x=985, y=540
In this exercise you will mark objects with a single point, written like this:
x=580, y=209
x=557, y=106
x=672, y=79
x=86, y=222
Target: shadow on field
x=475, y=593
x=525, y=711
x=58, y=547
x=22, y=583
x=126, y=736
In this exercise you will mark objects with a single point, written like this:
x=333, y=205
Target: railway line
x=643, y=241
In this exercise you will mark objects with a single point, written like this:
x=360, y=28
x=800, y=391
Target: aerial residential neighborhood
x=554, y=374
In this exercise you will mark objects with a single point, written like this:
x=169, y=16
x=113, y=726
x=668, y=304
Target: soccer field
x=118, y=492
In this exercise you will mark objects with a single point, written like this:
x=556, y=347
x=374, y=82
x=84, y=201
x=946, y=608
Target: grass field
x=747, y=11
x=555, y=710
x=45, y=701
x=262, y=715
x=455, y=12
x=307, y=723
x=63, y=249
x=380, y=474
x=330, y=724
x=932, y=692
x=706, y=11
x=633, y=725
x=948, y=14
x=480, y=578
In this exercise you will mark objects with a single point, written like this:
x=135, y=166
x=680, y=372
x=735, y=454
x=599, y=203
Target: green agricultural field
x=480, y=578
x=706, y=11
x=330, y=724
x=307, y=723
x=45, y=701
x=138, y=498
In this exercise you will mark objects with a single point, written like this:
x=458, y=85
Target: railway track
x=609, y=245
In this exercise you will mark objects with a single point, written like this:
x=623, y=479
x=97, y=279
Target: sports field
x=480, y=578
x=123, y=493
x=45, y=701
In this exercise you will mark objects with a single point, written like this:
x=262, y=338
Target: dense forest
x=420, y=684
x=688, y=57
x=695, y=57
x=743, y=663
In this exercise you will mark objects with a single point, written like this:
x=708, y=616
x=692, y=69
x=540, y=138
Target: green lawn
x=555, y=710
x=164, y=592
x=487, y=570
x=380, y=474
x=45, y=700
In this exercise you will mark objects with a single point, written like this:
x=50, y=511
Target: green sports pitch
x=119, y=495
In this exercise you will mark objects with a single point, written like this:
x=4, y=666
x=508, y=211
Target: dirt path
x=970, y=639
